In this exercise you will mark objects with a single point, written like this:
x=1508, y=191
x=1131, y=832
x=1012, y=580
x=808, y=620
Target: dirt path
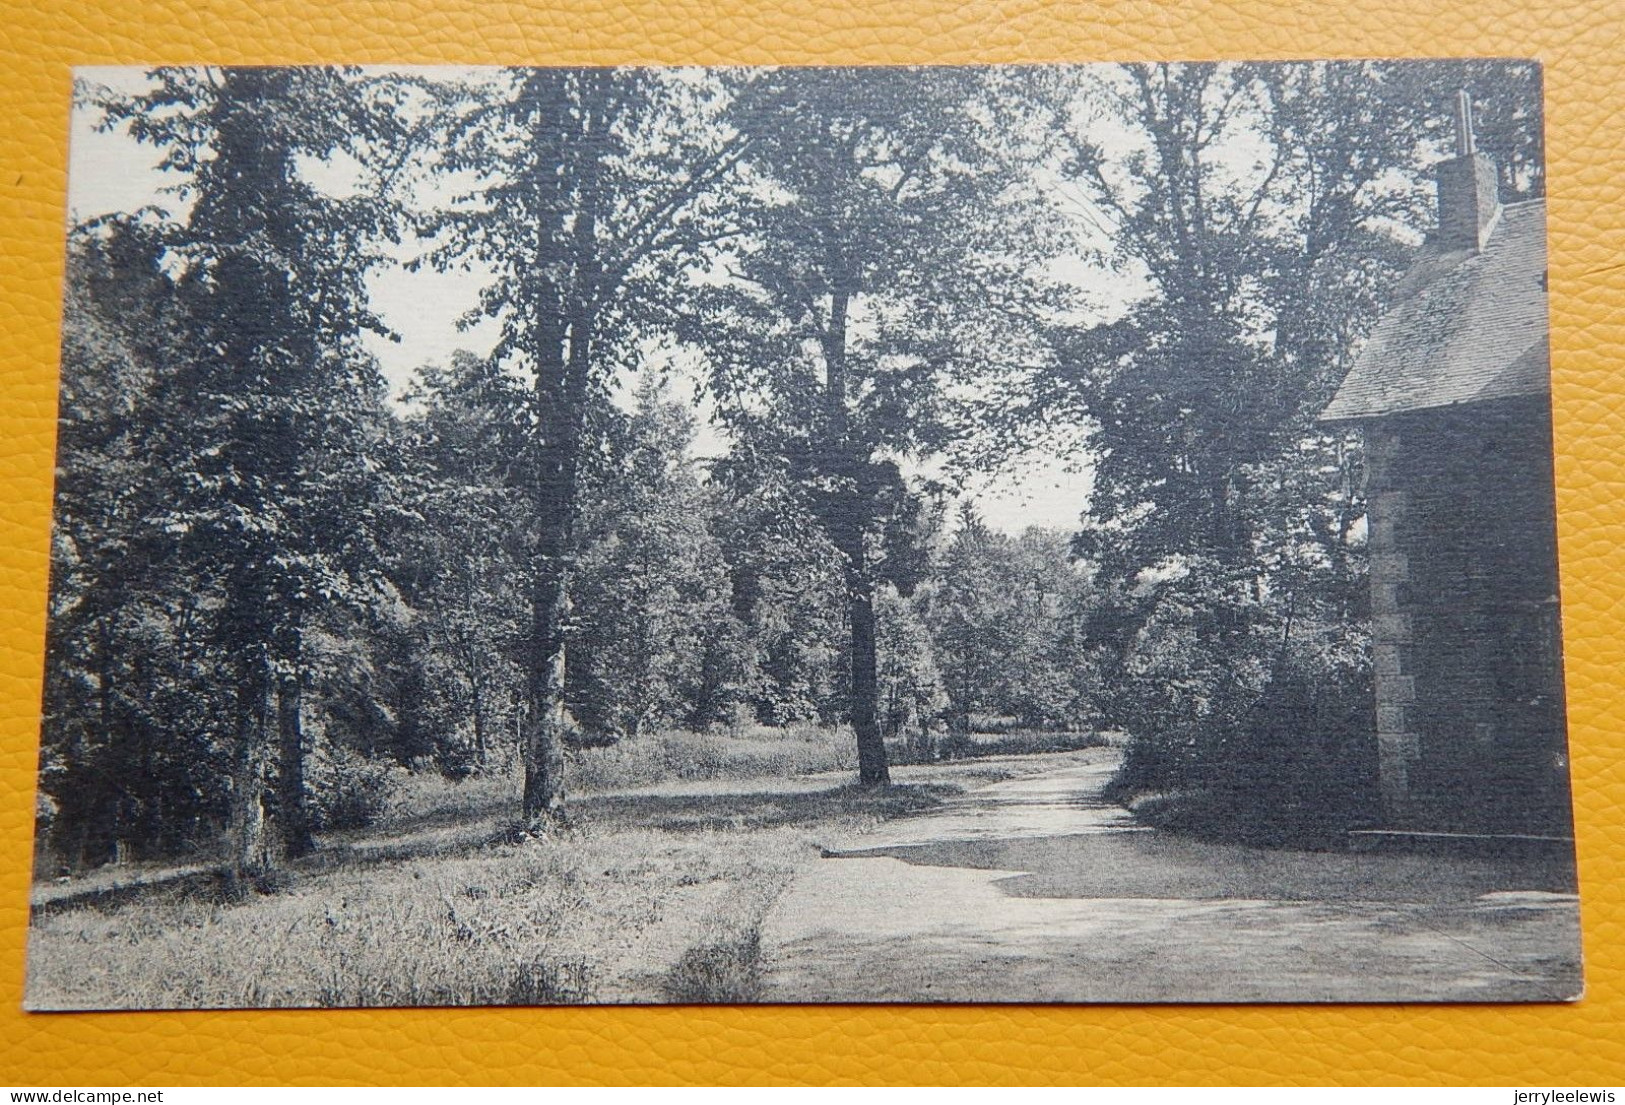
x=1036, y=890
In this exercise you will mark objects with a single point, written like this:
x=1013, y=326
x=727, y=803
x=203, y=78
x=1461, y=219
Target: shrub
x=1248, y=718
x=45, y=808
x=350, y=791
x=1289, y=763
x=1301, y=768
x=723, y=973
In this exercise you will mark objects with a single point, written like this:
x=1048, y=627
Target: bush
x=1293, y=765
x=45, y=809
x=348, y=790
x=1302, y=766
x=724, y=973
x=456, y=759
x=1245, y=727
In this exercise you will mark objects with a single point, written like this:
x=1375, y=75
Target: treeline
x=267, y=576
x=690, y=607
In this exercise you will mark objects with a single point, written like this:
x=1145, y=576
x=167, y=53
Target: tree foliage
x=594, y=198
x=1265, y=212
x=263, y=401
x=882, y=266
x=659, y=643
x=278, y=584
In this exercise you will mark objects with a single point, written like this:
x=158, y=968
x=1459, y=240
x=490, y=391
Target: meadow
x=677, y=846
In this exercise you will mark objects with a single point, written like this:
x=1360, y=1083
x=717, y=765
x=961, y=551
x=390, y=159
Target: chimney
x=1469, y=193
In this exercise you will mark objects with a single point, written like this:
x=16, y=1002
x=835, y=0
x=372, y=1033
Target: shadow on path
x=1036, y=890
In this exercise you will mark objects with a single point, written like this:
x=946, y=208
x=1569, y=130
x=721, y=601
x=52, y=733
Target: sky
x=110, y=172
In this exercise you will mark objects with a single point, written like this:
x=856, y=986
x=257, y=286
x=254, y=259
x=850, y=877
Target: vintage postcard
x=989, y=534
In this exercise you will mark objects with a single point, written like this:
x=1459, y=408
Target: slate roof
x=1464, y=327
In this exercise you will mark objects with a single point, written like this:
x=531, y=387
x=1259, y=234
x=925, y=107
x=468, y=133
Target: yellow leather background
x=1582, y=43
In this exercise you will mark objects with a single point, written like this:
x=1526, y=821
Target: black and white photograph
x=991, y=534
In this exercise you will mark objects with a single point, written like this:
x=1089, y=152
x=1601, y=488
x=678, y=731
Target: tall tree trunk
x=112, y=805
x=872, y=767
x=250, y=858
x=148, y=821
x=846, y=526
x=477, y=707
x=562, y=402
x=293, y=804
x=473, y=666
x=563, y=380
x=545, y=716
x=520, y=698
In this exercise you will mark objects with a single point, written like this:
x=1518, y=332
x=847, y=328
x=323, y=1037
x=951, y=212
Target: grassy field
x=655, y=892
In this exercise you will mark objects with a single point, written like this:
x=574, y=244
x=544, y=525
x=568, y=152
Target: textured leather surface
x=1582, y=44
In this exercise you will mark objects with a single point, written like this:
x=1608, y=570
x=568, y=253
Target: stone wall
x=1466, y=654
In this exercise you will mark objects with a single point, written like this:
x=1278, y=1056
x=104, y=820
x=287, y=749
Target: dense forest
x=277, y=577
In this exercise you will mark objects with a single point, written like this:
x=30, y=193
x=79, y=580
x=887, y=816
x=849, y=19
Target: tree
x=968, y=616
x=129, y=750
x=912, y=699
x=273, y=400
x=458, y=559
x=1044, y=663
x=605, y=198
x=1258, y=207
x=650, y=596
x=887, y=263
x=786, y=591
x=1264, y=213
x=1009, y=626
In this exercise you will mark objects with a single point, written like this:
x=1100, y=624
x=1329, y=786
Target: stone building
x=1453, y=395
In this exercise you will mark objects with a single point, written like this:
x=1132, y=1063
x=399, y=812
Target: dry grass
x=655, y=893
x=667, y=760
x=550, y=921
x=616, y=909
x=754, y=752
x=723, y=971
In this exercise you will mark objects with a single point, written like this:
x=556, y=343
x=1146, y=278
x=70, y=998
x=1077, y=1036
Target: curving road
x=1037, y=890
